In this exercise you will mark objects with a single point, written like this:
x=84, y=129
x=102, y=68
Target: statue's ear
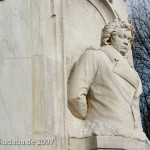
x=106, y=41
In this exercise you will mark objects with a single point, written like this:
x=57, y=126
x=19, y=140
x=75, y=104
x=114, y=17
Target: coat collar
x=123, y=69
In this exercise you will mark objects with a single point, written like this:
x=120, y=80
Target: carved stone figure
x=104, y=88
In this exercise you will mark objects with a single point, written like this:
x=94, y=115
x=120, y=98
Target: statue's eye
x=121, y=36
x=130, y=40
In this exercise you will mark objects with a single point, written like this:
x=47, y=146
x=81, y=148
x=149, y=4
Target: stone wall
x=15, y=72
x=32, y=74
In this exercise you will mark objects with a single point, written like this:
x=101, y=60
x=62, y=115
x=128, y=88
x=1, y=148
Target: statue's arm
x=79, y=83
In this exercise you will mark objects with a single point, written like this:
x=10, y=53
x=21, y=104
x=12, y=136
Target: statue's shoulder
x=94, y=50
x=105, y=47
x=96, y=54
x=90, y=51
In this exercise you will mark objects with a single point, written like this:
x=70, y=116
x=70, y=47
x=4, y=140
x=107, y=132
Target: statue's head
x=118, y=34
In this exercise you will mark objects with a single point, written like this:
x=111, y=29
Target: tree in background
x=140, y=18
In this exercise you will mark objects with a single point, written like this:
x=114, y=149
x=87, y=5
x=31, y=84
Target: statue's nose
x=126, y=43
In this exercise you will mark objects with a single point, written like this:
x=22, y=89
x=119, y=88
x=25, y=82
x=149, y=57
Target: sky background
x=128, y=7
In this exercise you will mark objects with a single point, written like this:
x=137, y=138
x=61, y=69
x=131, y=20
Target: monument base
x=107, y=142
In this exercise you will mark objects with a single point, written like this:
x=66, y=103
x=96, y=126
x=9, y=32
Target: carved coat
x=104, y=90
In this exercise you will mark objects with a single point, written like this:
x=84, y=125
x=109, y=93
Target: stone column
x=48, y=73
x=32, y=75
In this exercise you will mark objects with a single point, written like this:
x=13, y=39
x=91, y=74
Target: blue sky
x=127, y=5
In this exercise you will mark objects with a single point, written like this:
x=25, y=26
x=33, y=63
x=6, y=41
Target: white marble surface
x=15, y=99
x=14, y=29
x=120, y=8
x=83, y=24
x=33, y=47
x=107, y=142
x=15, y=73
x=84, y=21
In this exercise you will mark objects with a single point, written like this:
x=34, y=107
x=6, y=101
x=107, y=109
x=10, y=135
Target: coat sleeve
x=79, y=83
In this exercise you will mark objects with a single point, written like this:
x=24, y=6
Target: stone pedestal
x=107, y=142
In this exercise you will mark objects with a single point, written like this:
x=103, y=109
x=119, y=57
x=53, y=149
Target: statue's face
x=121, y=40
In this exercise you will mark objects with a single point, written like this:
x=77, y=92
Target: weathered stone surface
x=38, y=38
x=107, y=142
x=83, y=23
x=15, y=101
x=32, y=74
x=14, y=29
x=104, y=90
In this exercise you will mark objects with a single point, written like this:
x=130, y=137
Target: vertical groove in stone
x=61, y=78
x=48, y=73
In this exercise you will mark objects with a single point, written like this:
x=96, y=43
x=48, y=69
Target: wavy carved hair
x=112, y=27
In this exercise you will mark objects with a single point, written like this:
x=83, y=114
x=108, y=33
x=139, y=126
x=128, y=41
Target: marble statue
x=104, y=88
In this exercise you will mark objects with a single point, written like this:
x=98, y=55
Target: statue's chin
x=122, y=51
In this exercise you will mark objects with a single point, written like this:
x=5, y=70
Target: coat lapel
x=123, y=69
x=126, y=72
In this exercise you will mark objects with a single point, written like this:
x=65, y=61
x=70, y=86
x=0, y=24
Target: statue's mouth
x=124, y=50
x=125, y=47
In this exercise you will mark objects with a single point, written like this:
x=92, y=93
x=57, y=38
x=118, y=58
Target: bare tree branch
x=140, y=18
